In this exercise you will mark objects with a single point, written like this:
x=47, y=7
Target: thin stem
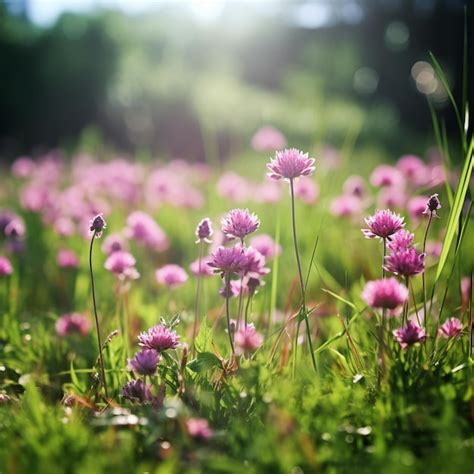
x=241, y=295
x=423, y=274
x=226, y=289
x=405, y=307
x=384, y=255
x=300, y=275
x=99, y=341
x=198, y=297
x=247, y=306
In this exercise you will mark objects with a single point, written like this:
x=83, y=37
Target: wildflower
x=204, y=231
x=114, y=243
x=409, y=335
x=144, y=362
x=247, y=339
x=392, y=197
x=160, y=338
x=137, y=391
x=265, y=245
x=307, y=190
x=268, y=139
x=233, y=187
x=23, y=167
x=201, y=268
x=387, y=293
x=346, y=206
x=143, y=229
x=71, y=323
x=97, y=225
x=268, y=192
x=432, y=205
x=383, y=224
x=199, y=428
x=406, y=262
x=416, y=207
x=171, y=276
x=15, y=229
x=122, y=264
x=386, y=176
x=434, y=248
x=452, y=327
x=238, y=223
x=254, y=264
x=355, y=186
x=6, y=267
x=67, y=259
x=4, y=398
x=289, y=164
x=228, y=260
x=413, y=169
x=401, y=240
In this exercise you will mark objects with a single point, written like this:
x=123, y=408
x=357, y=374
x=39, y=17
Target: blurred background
x=189, y=78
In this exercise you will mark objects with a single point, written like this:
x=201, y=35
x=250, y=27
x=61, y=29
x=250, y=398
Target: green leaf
x=203, y=362
x=340, y=298
x=204, y=338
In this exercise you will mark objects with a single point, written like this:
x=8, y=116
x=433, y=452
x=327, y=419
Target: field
x=266, y=360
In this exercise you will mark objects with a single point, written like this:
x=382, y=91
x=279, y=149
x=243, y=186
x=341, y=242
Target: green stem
x=423, y=274
x=198, y=297
x=226, y=289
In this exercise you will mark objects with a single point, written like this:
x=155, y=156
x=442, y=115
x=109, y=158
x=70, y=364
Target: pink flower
x=97, y=225
x=307, y=190
x=409, y=335
x=355, y=186
x=122, y=264
x=254, y=263
x=434, y=248
x=114, y=243
x=247, y=339
x=383, y=224
x=392, y=197
x=67, y=259
x=23, y=167
x=385, y=176
x=204, y=231
x=233, y=187
x=405, y=262
x=137, y=391
x=144, y=362
x=289, y=164
x=171, y=275
x=72, y=323
x=143, y=229
x=199, y=428
x=201, y=268
x=265, y=245
x=386, y=293
x=413, y=169
x=346, y=206
x=15, y=229
x=401, y=240
x=228, y=260
x=6, y=268
x=268, y=139
x=268, y=192
x=452, y=327
x=159, y=338
x=416, y=207
x=238, y=223
x=432, y=205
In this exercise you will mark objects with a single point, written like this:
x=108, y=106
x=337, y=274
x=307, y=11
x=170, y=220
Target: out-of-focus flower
x=265, y=245
x=289, y=164
x=268, y=139
x=392, y=197
x=432, y=205
x=238, y=223
x=137, y=391
x=434, y=248
x=247, y=339
x=6, y=267
x=254, y=264
x=346, y=206
x=171, y=275
x=67, y=259
x=201, y=268
x=144, y=362
x=401, y=240
x=233, y=187
x=386, y=176
x=23, y=167
x=143, y=229
x=159, y=338
x=387, y=293
x=15, y=229
x=307, y=190
x=414, y=170
x=114, y=243
x=198, y=428
x=228, y=260
x=416, y=207
x=73, y=323
x=406, y=262
x=122, y=264
x=4, y=398
x=409, y=335
x=452, y=327
x=97, y=225
x=355, y=186
x=204, y=231
x=383, y=224
x=64, y=226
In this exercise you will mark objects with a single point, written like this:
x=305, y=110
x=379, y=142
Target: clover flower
x=144, y=362
x=122, y=264
x=238, y=223
x=409, y=334
x=407, y=262
x=228, y=260
x=6, y=267
x=387, y=293
x=67, y=259
x=383, y=224
x=432, y=205
x=97, y=225
x=137, y=391
x=71, y=323
x=452, y=327
x=159, y=338
x=247, y=339
x=204, y=231
x=289, y=164
x=199, y=428
x=171, y=275
x=401, y=240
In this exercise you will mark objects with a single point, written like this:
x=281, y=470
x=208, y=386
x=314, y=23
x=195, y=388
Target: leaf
x=203, y=362
x=204, y=338
x=340, y=298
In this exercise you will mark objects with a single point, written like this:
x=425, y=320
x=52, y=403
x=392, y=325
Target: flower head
x=452, y=327
x=255, y=263
x=122, y=264
x=199, y=428
x=268, y=139
x=67, y=259
x=160, y=338
x=289, y=164
x=405, y=262
x=386, y=176
x=416, y=207
x=387, y=293
x=228, y=260
x=114, y=243
x=401, y=240
x=6, y=268
x=409, y=335
x=383, y=224
x=171, y=275
x=97, y=225
x=355, y=186
x=143, y=229
x=204, y=231
x=265, y=245
x=144, y=362
x=238, y=223
x=306, y=190
x=432, y=205
x=346, y=206
x=201, y=268
x=247, y=339
x=137, y=391
x=72, y=323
